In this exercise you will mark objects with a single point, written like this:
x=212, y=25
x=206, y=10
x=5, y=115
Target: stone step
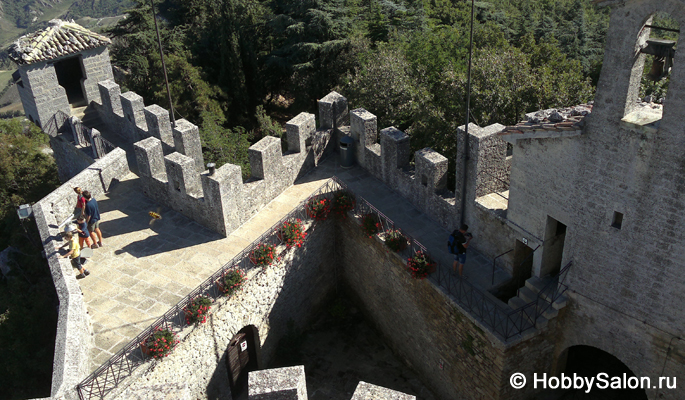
x=527, y=294
x=535, y=283
x=542, y=286
x=549, y=311
x=517, y=302
x=560, y=302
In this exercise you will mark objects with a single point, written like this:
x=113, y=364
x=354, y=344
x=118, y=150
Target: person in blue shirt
x=93, y=219
x=83, y=234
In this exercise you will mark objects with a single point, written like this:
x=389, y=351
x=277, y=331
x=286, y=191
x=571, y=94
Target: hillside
x=18, y=17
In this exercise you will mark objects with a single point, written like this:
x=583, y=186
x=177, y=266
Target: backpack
x=452, y=243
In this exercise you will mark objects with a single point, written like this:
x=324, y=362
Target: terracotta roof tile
x=59, y=39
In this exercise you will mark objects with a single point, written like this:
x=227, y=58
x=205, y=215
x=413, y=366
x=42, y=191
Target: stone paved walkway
x=146, y=267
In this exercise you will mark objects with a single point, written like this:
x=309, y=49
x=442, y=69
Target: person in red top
x=80, y=201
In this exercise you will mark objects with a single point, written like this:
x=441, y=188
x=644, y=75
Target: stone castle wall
x=292, y=289
x=74, y=334
x=41, y=94
x=71, y=160
x=172, y=167
x=453, y=353
x=626, y=283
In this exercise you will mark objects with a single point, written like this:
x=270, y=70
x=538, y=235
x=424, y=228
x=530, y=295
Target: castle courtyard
x=147, y=266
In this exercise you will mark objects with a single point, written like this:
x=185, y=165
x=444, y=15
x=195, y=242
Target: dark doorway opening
x=522, y=270
x=241, y=358
x=70, y=76
x=589, y=362
x=553, y=249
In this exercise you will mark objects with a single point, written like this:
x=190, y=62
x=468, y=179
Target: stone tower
x=59, y=67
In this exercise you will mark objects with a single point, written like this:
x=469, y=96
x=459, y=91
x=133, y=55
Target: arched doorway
x=241, y=358
x=589, y=362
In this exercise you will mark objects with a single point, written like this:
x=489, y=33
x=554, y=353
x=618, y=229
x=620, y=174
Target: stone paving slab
x=478, y=268
x=147, y=266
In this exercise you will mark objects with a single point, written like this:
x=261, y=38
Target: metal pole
x=468, y=115
x=161, y=54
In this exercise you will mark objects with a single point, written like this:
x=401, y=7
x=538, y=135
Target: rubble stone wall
x=290, y=290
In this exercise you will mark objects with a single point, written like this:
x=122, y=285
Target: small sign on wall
x=243, y=346
x=525, y=241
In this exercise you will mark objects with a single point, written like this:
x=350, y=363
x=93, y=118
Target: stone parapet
x=73, y=342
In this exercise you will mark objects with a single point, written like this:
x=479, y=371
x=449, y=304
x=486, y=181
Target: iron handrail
x=55, y=123
x=559, y=286
x=494, y=314
x=494, y=261
x=500, y=318
x=121, y=365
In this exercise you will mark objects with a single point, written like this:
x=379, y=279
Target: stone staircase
x=542, y=291
x=91, y=119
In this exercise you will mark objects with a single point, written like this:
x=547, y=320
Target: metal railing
x=82, y=135
x=495, y=315
x=552, y=291
x=55, y=123
x=120, y=366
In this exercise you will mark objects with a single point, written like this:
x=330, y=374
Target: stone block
x=363, y=129
x=431, y=169
x=395, y=151
x=96, y=143
x=223, y=193
x=159, y=126
x=287, y=383
x=132, y=106
x=298, y=130
x=150, y=158
x=367, y=391
x=266, y=158
x=187, y=142
x=333, y=111
x=182, y=176
x=363, y=126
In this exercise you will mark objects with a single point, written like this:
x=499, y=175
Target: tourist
x=75, y=255
x=93, y=219
x=82, y=229
x=80, y=202
x=462, y=238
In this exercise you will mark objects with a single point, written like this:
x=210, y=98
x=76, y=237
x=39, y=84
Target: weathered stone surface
x=287, y=383
x=367, y=391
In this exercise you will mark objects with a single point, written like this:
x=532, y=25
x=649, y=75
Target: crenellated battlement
x=218, y=199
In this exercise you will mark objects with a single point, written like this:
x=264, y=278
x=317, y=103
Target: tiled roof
x=59, y=39
x=549, y=123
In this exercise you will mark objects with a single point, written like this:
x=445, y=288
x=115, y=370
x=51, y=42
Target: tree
x=28, y=321
x=222, y=145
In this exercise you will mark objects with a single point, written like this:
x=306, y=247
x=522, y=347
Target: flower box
x=231, y=282
x=292, y=233
x=420, y=265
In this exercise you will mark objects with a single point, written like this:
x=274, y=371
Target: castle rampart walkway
x=147, y=267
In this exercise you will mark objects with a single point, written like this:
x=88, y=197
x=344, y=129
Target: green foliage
x=26, y=173
x=99, y=8
x=222, y=145
x=28, y=319
x=266, y=126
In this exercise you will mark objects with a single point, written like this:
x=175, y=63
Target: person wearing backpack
x=457, y=244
